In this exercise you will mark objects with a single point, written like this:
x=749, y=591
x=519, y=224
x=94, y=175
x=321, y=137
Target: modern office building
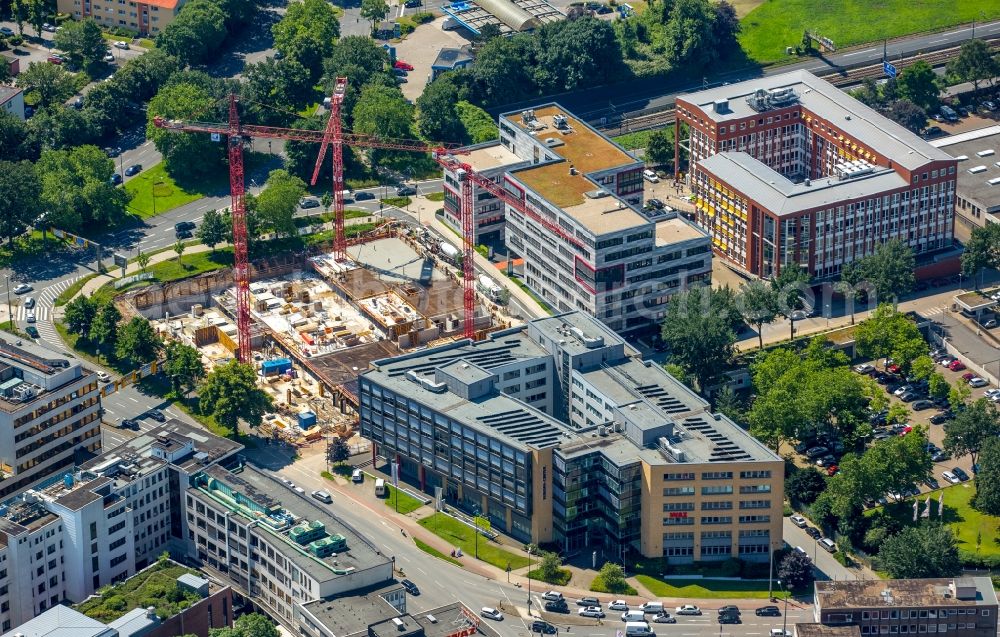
x=977, y=201
x=957, y=607
x=557, y=431
x=100, y=522
x=147, y=17
x=49, y=415
x=790, y=170
x=278, y=553
x=585, y=244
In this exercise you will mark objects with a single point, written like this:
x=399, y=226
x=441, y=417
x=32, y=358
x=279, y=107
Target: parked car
x=363, y=196
x=324, y=496
x=864, y=368
x=816, y=452
x=827, y=545
x=960, y=474
x=29, y=316
x=990, y=105
x=978, y=382
x=410, y=587
x=908, y=397
x=48, y=28
x=655, y=203
x=939, y=455
x=54, y=59
x=799, y=521
x=400, y=72
x=956, y=365
x=121, y=44
x=940, y=417
x=116, y=179
x=768, y=611
x=932, y=483
x=813, y=532
x=491, y=613
x=402, y=64
x=134, y=169
x=538, y=625
x=128, y=423
x=650, y=176
x=921, y=405
x=687, y=609
x=591, y=611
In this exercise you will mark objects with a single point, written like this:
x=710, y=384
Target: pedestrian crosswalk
x=44, y=310
x=49, y=294
x=933, y=311
x=41, y=313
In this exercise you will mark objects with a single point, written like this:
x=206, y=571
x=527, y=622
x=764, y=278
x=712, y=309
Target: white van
x=651, y=176
x=637, y=629
x=380, y=488
x=633, y=616
x=652, y=607
x=357, y=476
x=450, y=24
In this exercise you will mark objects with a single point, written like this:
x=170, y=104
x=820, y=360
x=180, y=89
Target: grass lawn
x=11, y=328
x=430, y=550
x=631, y=141
x=707, y=588
x=435, y=196
x=769, y=28
x=168, y=193
x=965, y=521
x=462, y=536
x=191, y=264
x=27, y=246
x=399, y=202
x=407, y=503
x=598, y=587
x=561, y=579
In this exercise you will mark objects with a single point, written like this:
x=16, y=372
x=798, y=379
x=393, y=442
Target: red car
x=55, y=59
x=400, y=64
x=967, y=376
x=956, y=365
x=893, y=369
x=832, y=470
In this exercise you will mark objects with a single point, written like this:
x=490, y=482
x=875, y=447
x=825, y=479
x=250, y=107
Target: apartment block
x=145, y=18
x=101, y=522
x=278, y=553
x=584, y=242
x=977, y=202
x=957, y=607
x=557, y=431
x=790, y=170
x=49, y=415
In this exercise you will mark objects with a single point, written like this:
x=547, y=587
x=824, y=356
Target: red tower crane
x=237, y=133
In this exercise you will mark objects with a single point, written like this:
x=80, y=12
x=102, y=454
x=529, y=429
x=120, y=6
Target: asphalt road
x=593, y=104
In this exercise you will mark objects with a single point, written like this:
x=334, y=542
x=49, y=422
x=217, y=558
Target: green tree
x=16, y=141
x=186, y=155
x=958, y=395
x=437, y=118
x=20, y=190
x=660, y=147
x=137, y=342
x=795, y=571
x=805, y=485
x=383, y=112
x=76, y=188
x=613, y=577
x=478, y=126
x=196, y=33
x=256, y=625
x=338, y=451
x=285, y=84
x=82, y=41
x=790, y=285
x=920, y=84
x=143, y=260
x=699, y=333
x=924, y=551
x=141, y=77
x=987, y=497
x=937, y=386
x=80, y=314
x=889, y=270
x=975, y=63
x=360, y=58
x=898, y=413
x=179, y=248
x=184, y=367
x=38, y=11
x=758, y=305
x=971, y=428
x=104, y=328
x=729, y=404
x=690, y=34
x=230, y=394
x=502, y=72
x=982, y=250
x=374, y=11
x=922, y=367
x=50, y=82
x=572, y=54
x=279, y=200
x=908, y=115
x=59, y=126
x=212, y=230
x=726, y=27
x=889, y=334
x=550, y=567
x=306, y=34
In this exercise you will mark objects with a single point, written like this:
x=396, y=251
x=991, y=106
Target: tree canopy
x=924, y=551
x=972, y=427
x=230, y=394
x=920, y=84
x=76, y=188
x=306, y=34
x=889, y=270
x=186, y=155
x=82, y=41
x=890, y=334
x=698, y=330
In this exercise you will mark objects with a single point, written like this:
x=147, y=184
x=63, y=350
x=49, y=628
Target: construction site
x=318, y=322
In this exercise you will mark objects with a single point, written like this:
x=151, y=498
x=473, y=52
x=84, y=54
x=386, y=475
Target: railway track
x=637, y=121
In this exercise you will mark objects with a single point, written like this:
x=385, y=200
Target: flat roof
x=586, y=148
x=490, y=155
x=832, y=595
x=677, y=229
x=976, y=186
x=268, y=492
x=62, y=621
x=822, y=630
x=781, y=196
x=825, y=100
x=354, y=613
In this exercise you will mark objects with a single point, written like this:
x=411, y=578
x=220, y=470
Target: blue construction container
x=307, y=419
x=276, y=366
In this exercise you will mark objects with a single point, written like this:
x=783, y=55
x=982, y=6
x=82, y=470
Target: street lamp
x=10, y=315
x=475, y=523
x=784, y=614
x=529, y=578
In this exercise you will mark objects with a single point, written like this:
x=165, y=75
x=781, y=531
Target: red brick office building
x=789, y=169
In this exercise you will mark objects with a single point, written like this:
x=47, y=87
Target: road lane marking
x=132, y=399
x=847, y=55
x=937, y=41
